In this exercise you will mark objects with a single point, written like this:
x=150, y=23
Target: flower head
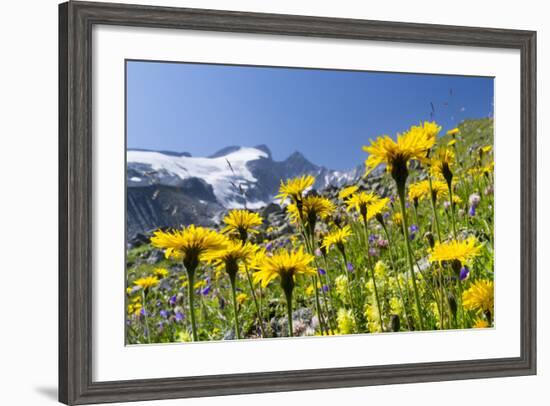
x=161, y=273
x=442, y=162
x=453, y=132
x=285, y=265
x=480, y=323
x=397, y=219
x=242, y=222
x=347, y=192
x=480, y=296
x=189, y=243
x=294, y=188
x=241, y=298
x=413, y=144
x=421, y=190
x=147, y=282
x=360, y=202
x=462, y=251
x=312, y=207
x=232, y=255
x=337, y=237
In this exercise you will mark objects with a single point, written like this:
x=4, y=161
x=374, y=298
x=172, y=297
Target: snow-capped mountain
x=168, y=189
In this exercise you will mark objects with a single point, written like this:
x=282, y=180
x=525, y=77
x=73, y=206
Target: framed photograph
x=259, y=202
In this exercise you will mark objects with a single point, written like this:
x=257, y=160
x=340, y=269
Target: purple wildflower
x=172, y=301
x=446, y=204
x=474, y=199
x=373, y=252
x=164, y=314
x=206, y=290
x=349, y=267
x=269, y=246
x=321, y=271
x=464, y=272
x=179, y=316
x=382, y=243
x=472, y=211
x=325, y=288
x=412, y=231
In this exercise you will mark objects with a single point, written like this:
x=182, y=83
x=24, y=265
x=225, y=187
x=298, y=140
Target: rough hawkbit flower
x=349, y=267
x=321, y=271
x=464, y=272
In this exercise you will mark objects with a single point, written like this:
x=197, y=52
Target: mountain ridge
x=201, y=188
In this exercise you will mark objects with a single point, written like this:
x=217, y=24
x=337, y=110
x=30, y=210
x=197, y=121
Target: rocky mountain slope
x=169, y=189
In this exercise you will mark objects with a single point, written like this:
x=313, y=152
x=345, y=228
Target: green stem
x=453, y=221
x=235, y=311
x=401, y=192
x=190, y=295
x=348, y=285
x=369, y=265
x=256, y=304
x=390, y=250
x=288, y=296
x=309, y=246
x=434, y=210
x=145, y=317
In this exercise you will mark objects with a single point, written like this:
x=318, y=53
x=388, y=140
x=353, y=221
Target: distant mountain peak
x=164, y=152
x=225, y=151
x=264, y=148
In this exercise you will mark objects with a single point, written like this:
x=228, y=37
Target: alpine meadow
x=390, y=230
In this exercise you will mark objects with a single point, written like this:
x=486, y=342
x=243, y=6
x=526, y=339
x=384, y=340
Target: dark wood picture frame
x=76, y=20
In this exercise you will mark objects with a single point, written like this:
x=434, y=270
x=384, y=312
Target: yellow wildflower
x=161, y=272
x=285, y=265
x=345, y=320
x=453, y=250
x=189, y=244
x=480, y=296
x=242, y=222
x=413, y=144
x=347, y=192
x=241, y=298
x=294, y=188
x=337, y=237
x=147, y=282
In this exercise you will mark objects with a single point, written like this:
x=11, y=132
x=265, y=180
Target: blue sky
x=325, y=114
